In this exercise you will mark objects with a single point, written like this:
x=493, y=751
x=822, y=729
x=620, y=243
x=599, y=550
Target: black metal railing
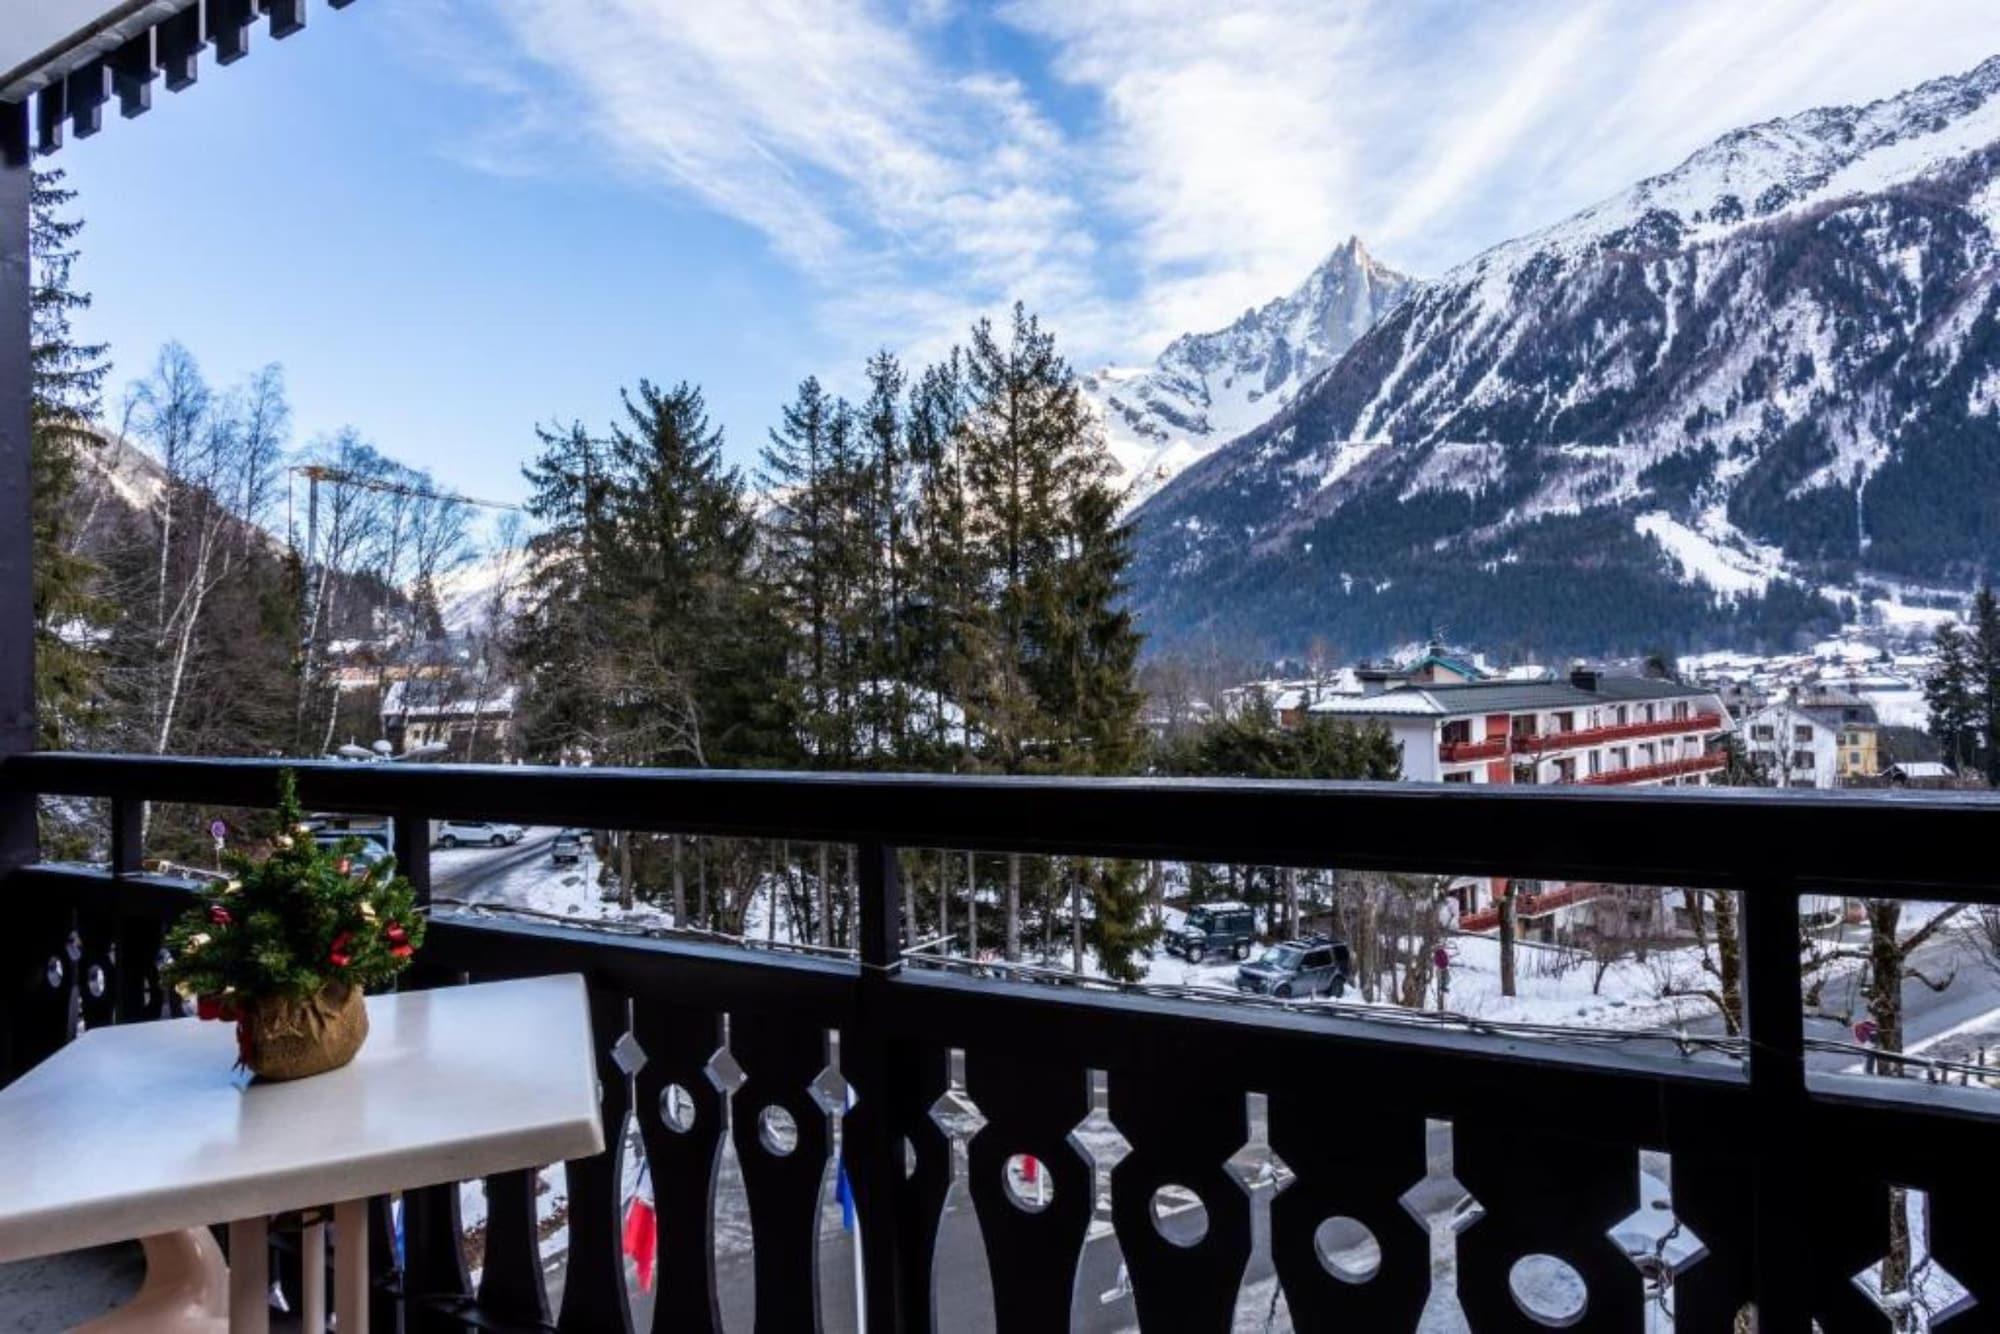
x=1784, y=1176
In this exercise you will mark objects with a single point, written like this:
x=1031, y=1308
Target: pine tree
x=694, y=664
x=566, y=626
x=797, y=476
x=1952, y=693
x=65, y=380
x=1030, y=453
x=1984, y=684
x=1086, y=674
x=944, y=591
x=882, y=515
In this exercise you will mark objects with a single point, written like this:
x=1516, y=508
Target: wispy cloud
x=1136, y=168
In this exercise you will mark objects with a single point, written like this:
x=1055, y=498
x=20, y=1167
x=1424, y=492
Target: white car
x=454, y=833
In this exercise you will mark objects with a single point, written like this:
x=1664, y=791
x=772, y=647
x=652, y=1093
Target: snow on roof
x=1226, y=905
x=1399, y=702
x=1921, y=769
x=1477, y=697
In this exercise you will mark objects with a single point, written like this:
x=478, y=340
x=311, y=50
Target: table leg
x=186, y=1289
x=350, y=1266
x=249, y=1277
x=312, y=1279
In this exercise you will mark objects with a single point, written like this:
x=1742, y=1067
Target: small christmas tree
x=303, y=919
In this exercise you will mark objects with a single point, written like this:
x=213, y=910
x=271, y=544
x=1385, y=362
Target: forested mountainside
x=1208, y=388
x=1698, y=412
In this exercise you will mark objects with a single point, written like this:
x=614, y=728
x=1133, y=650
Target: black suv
x=1213, y=928
x=1316, y=966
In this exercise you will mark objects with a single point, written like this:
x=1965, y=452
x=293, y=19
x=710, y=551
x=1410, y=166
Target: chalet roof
x=1471, y=698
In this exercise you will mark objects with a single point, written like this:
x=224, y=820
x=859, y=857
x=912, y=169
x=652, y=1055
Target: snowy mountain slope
x=1209, y=388
x=1772, y=369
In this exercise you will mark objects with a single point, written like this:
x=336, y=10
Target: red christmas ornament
x=208, y=1007
x=399, y=940
x=219, y=915
x=339, y=954
x=345, y=866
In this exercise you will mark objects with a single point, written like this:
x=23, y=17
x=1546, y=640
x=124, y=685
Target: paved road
x=1974, y=992
x=475, y=874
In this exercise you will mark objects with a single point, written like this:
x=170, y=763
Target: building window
x=1462, y=776
x=1763, y=732
x=1563, y=722
x=1802, y=759
x=1597, y=761
x=1802, y=734
x=1854, y=759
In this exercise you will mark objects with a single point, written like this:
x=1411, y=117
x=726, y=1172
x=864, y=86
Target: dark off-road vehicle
x=1213, y=930
x=1297, y=969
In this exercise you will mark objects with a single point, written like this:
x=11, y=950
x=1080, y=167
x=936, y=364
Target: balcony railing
x=1648, y=773
x=1542, y=743
x=1783, y=1175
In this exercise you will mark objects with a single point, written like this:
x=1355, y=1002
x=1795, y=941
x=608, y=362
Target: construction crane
x=315, y=473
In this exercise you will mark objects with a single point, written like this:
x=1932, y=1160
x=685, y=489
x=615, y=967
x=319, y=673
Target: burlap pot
x=290, y=1037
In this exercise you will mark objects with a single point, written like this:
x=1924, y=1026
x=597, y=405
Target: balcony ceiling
x=63, y=61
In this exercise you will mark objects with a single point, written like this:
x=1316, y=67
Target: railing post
x=17, y=599
x=412, y=839
x=1775, y=1027
x=871, y=1141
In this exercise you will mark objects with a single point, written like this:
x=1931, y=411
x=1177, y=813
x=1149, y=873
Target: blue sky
x=452, y=219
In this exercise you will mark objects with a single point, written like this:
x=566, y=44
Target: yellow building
x=1857, y=757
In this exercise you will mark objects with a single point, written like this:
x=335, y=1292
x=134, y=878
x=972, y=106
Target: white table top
x=145, y=1128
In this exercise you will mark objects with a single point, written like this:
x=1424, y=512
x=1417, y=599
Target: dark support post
x=874, y=1142
x=1775, y=1027
x=138, y=935
x=17, y=599
x=413, y=853
x=17, y=595
x=128, y=825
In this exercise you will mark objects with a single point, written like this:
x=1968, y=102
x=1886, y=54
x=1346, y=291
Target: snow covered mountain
x=1208, y=388
x=1683, y=415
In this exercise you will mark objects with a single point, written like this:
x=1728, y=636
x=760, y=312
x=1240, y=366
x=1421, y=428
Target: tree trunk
x=1290, y=879
x=1507, y=982
x=777, y=879
x=853, y=898
x=625, y=870
x=1075, y=922
x=909, y=891
x=944, y=900
x=1729, y=963
x=680, y=881
x=825, y=899
x=971, y=907
x=1012, y=945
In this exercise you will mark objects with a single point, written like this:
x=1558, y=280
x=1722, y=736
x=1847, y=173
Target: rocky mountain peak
x=1208, y=388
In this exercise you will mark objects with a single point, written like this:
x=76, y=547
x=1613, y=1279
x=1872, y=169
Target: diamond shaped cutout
x=1922, y=1294
x=832, y=1092
x=1257, y=1165
x=1652, y=1236
x=724, y=1072
x=628, y=1054
x=1099, y=1140
x=956, y=1114
x=1440, y=1200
